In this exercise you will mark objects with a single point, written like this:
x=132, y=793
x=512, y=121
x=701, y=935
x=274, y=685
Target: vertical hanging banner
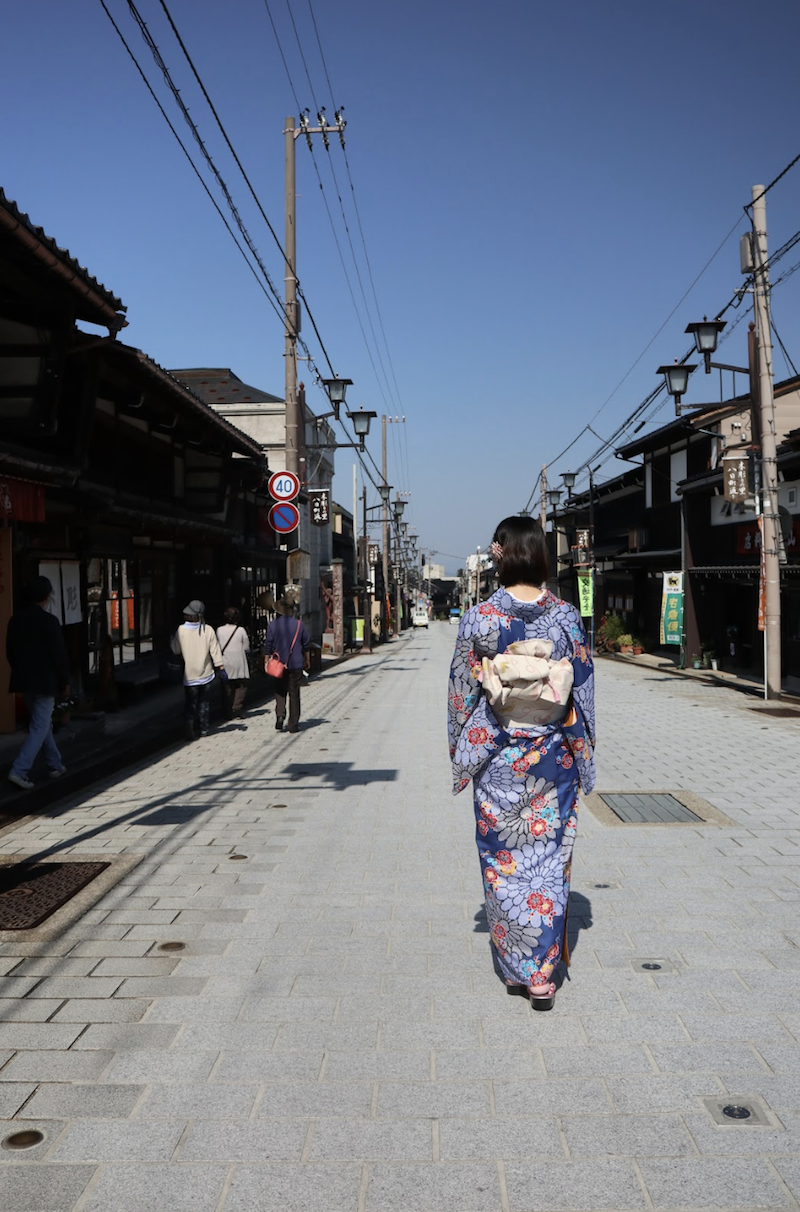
x=586, y=593
x=672, y=608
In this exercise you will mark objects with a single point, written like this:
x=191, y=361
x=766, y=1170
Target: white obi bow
x=525, y=687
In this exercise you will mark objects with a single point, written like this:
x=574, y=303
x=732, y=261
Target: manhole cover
x=172, y=946
x=779, y=713
x=236, y=857
x=648, y=807
x=27, y=1139
x=31, y=892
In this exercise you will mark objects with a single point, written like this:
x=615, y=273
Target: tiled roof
x=61, y=254
x=222, y=386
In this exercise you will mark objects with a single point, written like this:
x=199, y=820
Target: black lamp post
x=336, y=390
x=676, y=378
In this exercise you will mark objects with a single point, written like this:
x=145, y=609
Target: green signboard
x=586, y=593
x=672, y=608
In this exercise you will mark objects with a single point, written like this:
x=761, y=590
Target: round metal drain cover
x=172, y=946
x=652, y=967
x=602, y=885
x=236, y=857
x=23, y=1140
x=734, y=1112
x=279, y=805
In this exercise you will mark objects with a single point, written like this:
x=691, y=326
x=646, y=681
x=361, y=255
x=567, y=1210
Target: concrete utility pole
x=478, y=576
x=543, y=502
x=769, y=442
x=293, y=419
x=385, y=542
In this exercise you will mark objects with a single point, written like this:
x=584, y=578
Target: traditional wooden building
x=116, y=481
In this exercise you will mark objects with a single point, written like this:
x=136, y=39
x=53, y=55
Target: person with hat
x=197, y=644
x=288, y=639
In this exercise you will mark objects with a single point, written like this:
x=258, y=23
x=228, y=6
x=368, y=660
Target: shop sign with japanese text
x=735, y=478
x=373, y=552
x=672, y=608
x=319, y=506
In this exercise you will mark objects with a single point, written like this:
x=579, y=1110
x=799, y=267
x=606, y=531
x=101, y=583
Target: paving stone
x=38, y=1035
x=124, y=1037
x=129, y=966
x=443, y=1187
x=508, y=1139
x=573, y=1096
x=598, y=1059
x=55, y=965
x=57, y=1066
x=230, y=1037
x=105, y=948
x=593, y=1186
x=641, y=1095
x=294, y=1188
x=270, y=1066
x=434, y=1099
x=148, y=1066
x=731, y=1183
x=50, y=1130
x=28, y=1010
x=245, y=1142
x=13, y=1095
x=710, y=1028
x=316, y=1099
x=207, y=1101
x=626, y=1136
x=145, y=1188
x=118, y=1140
x=75, y=986
x=161, y=986
x=83, y=1101
x=29, y=1188
x=93, y=1010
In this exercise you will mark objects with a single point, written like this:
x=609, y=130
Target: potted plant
x=697, y=661
x=626, y=642
x=638, y=647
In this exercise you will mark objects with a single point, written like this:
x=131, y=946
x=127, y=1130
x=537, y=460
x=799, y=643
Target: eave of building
x=93, y=301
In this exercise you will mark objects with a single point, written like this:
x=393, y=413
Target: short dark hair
x=524, y=560
x=233, y=614
x=38, y=589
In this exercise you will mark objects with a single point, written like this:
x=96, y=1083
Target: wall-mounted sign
x=582, y=540
x=735, y=478
x=373, y=552
x=672, y=608
x=319, y=506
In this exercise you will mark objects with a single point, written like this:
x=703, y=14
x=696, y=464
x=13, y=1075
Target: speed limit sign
x=283, y=486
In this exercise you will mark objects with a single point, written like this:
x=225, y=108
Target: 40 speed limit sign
x=283, y=486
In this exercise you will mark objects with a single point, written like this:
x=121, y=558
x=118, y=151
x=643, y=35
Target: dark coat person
x=40, y=671
x=288, y=637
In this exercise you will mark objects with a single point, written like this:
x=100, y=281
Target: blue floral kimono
x=525, y=781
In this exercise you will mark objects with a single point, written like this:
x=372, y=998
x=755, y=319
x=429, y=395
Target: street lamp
x=336, y=390
x=706, y=334
x=398, y=505
x=385, y=491
x=361, y=423
x=569, y=478
x=554, y=497
x=677, y=380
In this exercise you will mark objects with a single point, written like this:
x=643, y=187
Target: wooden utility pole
x=769, y=462
x=543, y=503
x=293, y=425
x=385, y=540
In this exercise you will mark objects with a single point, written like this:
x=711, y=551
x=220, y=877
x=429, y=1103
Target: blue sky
x=538, y=186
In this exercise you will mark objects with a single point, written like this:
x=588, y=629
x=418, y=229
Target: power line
x=278, y=310
x=767, y=188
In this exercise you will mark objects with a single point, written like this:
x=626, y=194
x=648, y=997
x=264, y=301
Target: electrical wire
x=771, y=185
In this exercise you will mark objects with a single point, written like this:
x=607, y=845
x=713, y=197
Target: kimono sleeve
x=579, y=727
x=472, y=729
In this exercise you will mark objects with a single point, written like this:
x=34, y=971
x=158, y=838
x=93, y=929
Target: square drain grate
x=30, y=892
x=649, y=807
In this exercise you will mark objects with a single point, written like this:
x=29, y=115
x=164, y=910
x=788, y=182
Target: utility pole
x=293, y=420
x=478, y=576
x=543, y=502
x=366, y=647
x=385, y=540
x=769, y=463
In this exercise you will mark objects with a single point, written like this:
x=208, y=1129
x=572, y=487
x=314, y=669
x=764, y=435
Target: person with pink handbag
x=285, y=657
x=521, y=729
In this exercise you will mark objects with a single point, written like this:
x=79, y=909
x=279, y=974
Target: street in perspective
x=286, y=999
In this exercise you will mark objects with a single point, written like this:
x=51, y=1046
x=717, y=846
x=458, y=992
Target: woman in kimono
x=525, y=774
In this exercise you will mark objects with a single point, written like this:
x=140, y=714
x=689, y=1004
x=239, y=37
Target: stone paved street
x=333, y=1038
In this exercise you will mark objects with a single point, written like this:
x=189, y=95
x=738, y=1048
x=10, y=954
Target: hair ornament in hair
x=496, y=550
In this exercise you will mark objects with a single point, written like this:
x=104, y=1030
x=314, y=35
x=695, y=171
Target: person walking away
x=288, y=639
x=521, y=728
x=234, y=644
x=39, y=670
x=197, y=644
